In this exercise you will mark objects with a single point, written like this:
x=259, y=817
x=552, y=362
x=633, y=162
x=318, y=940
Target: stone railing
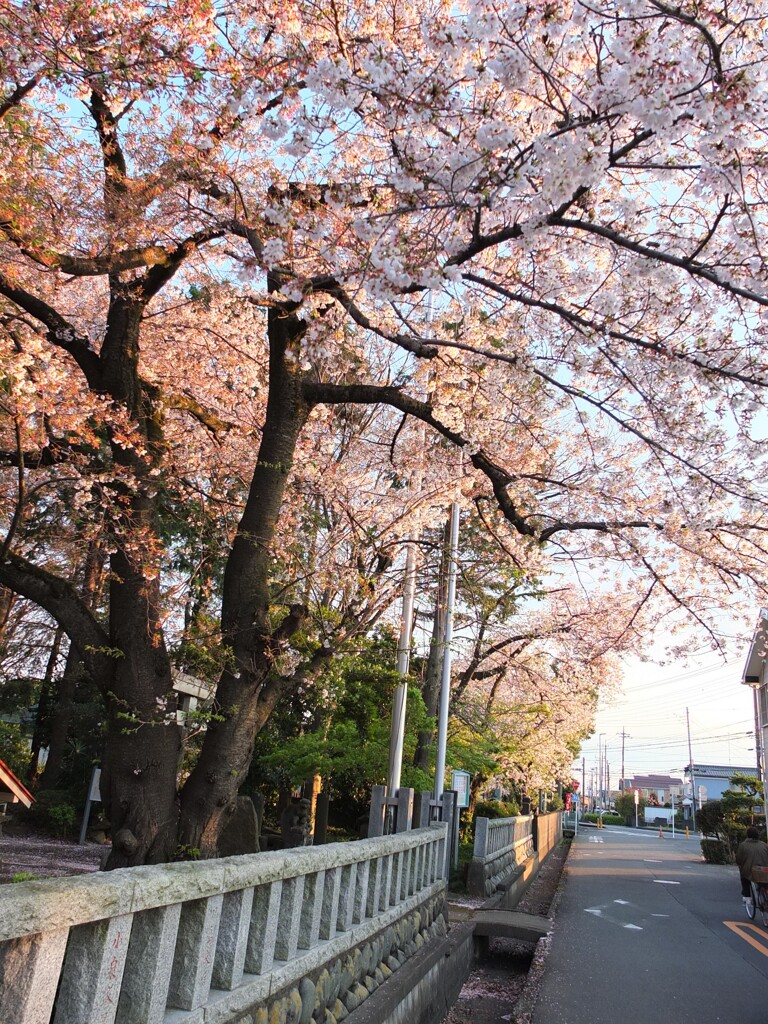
x=283, y=937
x=501, y=845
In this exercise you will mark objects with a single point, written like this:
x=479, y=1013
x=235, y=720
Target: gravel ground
x=46, y=858
x=502, y=989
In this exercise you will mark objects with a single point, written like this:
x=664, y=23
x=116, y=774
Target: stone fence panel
x=547, y=833
x=501, y=845
x=273, y=938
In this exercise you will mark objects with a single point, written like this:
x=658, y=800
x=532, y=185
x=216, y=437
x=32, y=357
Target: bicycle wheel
x=762, y=904
x=751, y=906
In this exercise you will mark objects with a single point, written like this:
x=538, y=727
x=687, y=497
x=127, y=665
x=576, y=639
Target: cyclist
x=750, y=853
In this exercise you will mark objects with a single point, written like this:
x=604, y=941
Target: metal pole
x=690, y=764
x=445, y=681
x=583, y=777
x=672, y=794
x=760, y=747
x=397, y=737
x=599, y=771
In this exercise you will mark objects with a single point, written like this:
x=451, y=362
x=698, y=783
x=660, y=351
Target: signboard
x=95, y=792
x=460, y=782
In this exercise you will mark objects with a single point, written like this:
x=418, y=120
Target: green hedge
x=715, y=851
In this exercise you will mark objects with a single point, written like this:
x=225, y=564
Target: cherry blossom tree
x=533, y=231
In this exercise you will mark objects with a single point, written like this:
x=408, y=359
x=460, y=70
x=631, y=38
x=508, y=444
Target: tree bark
x=250, y=686
x=138, y=781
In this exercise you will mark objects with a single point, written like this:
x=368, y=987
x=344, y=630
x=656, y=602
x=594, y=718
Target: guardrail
x=208, y=941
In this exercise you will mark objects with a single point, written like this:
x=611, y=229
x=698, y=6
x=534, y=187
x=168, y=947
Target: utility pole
x=690, y=765
x=599, y=770
x=583, y=777
x=397, y=735
x=624, y=736
x=445, y=687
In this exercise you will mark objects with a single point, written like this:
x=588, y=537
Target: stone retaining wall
x=330, y=995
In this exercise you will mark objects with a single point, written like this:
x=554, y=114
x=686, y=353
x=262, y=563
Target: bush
x=496, y=809
x=608, y=819
x=54, y=812
x=715, y=851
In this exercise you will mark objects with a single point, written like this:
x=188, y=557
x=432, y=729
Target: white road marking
x=659, y=915
x=665, y=881
x=647, y=860
x=624, y=903
x=634, y=927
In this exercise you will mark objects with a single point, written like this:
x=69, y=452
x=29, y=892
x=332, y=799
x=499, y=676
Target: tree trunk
x=59, y=717
x=43, y=705
x=138, y=782
x=250, y=686
x=60, y=699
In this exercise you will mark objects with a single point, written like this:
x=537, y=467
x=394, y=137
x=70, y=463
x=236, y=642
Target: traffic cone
x=661, y=834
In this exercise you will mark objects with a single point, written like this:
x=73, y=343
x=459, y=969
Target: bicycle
x=759, y=888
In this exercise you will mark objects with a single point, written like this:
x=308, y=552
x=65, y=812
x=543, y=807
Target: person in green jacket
x=750, y=853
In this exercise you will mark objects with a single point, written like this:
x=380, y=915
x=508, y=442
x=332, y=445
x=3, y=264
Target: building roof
x=719, y=771
x=653, y=781
x=16, y=788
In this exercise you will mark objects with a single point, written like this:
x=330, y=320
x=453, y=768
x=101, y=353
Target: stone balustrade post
x=378, y=811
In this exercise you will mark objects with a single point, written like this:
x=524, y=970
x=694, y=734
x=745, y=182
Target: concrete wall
x=276, y=938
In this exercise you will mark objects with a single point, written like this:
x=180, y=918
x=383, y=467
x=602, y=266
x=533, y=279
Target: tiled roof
x=719, y=771
x=653, y=781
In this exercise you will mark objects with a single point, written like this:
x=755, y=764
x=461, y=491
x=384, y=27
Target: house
x=657, y=790
x=712, y=780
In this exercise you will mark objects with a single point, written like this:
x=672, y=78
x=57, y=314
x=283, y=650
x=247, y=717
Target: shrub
x=24, y=876
x=54, y=812
x=715, y=851
x=608, y=819
x=496, y=809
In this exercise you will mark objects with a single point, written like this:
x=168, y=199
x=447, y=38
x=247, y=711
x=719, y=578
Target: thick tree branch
x=500, y=479
x=601, y=328
x=696, y=270
x=61, y=600
x=18, y=94
x=59, y=331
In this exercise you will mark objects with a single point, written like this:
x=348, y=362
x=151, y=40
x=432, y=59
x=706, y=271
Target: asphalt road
x=646, y=933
